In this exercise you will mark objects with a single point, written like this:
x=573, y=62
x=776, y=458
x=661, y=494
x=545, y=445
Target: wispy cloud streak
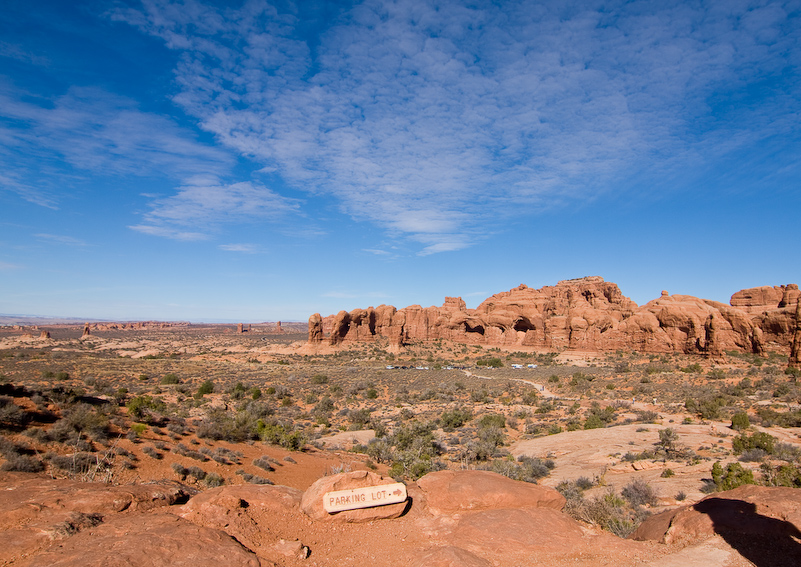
x=436, y=120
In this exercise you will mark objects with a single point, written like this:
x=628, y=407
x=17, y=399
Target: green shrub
x=206, y=387
x=782, y=475
x=141, y=408
x=732, y=476
x=526, y=469
x=278, y=434
x=170, y=379
x=455, y=418
x=758, y=440
x=740, y=421
x=213, y=480
x=492, y=419
x=639, y=493
x=319, y=379
x=490, y=362
x=594, y=422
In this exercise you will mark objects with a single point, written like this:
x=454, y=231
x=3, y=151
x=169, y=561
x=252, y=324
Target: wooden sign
x=366, y=497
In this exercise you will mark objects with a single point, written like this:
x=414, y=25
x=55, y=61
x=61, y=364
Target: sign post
x=367, y=497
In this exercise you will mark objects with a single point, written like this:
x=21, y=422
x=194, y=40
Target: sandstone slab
x=455, y=491
x=153, y=539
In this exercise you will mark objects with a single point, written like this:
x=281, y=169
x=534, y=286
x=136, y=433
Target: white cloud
x=243, y=248
x=210, y=205
x=437, y=121
x=88, y=132
x=61, y=239
x=169, y=232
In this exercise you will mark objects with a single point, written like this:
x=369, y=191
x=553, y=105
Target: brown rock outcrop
x=760, y=299
x=795, y=350
x=147, y=539
x=583, y=314
x=35, y=511
x=761, y=523
x=315, y=329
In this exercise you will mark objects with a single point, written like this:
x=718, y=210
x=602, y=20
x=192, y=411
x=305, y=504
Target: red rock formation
x=795, y=350
x=315, y=329
x=744, y=511
x=583, y=314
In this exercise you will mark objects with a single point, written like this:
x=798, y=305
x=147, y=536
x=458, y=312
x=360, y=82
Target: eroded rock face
x=765, y=298
x=747, y=510
x=795, y=350
x=584, y=314
x=315, y=329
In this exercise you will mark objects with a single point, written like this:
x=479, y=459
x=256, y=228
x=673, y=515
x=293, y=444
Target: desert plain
x=161, y=443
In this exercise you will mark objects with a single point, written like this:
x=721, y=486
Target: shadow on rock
x=765, y=541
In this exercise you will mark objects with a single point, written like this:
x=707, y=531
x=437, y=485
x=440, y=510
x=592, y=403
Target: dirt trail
x=540, y=387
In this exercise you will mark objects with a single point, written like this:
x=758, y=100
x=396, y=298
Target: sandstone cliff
x=583, y=314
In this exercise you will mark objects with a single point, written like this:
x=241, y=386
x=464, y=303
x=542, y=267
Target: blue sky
x=258, y=160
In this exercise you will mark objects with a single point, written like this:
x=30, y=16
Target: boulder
x=35, y=511
x=147, y=539
x=216, y=507
x=315, y=329
x=455, y=491
x=749, y=510
x=312, y=501
x=258, y=516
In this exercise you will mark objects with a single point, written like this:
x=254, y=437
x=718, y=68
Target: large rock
x=260, y=517
x=765, y=298
x=762, y=524
x=217, y=507
x=315, y=329
x=794, y=360
x=456, y=491
x=36, y=511
x=312, y=502
x=147, y=540
x=583, y=314
x=749, y=509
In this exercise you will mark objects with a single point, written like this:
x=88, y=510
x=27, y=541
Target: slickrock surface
x=466, y=518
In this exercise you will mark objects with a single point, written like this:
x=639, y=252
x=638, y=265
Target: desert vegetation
x=209, y=408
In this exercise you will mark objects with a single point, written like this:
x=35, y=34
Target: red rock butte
x=586, y=314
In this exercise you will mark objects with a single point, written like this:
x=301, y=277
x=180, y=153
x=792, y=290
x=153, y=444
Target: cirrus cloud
x=437, y=120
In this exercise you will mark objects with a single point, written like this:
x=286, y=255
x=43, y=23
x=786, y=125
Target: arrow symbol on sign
x=397, y=493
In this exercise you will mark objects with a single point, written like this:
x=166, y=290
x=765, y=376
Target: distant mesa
x=585, y=314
